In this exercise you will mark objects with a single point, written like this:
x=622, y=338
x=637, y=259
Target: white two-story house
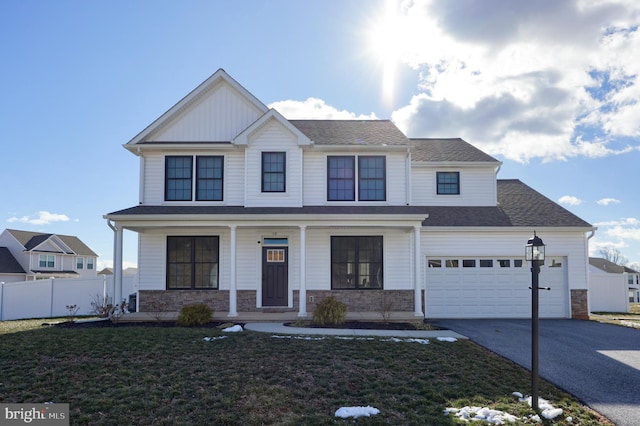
x=247, y=211
x=26, y=255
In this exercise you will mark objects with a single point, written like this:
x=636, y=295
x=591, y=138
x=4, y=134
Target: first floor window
x=192, y=262
x=80, y=263
x=356, y=262
x=47, y=261
x=448, y=183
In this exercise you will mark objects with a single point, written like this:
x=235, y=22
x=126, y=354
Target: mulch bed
x=362, y=325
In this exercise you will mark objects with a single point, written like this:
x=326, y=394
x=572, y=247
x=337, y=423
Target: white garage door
x=493, y=288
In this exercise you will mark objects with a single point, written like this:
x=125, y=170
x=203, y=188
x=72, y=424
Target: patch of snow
x=234, y=329
x=211, y=339
x=485, y=414
x=298, y=337
x=569, y=419
x=500, y=417
x=421, y=341
x=356, y=412
x=447, y=339
x=630, y=324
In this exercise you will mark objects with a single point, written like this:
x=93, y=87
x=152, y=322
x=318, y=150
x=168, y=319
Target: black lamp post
x=534, y=251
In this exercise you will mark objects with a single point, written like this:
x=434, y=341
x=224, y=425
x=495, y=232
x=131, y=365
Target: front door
x=274, y=276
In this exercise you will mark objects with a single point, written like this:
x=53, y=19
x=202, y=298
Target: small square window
x=517, y=263
x=452, y=263
x=504, y=263
x=448, y=183
x=469, y=263
x=486, y=263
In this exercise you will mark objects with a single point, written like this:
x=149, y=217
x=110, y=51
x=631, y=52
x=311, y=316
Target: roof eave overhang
x=351, y=148
x=519, y=229
x=466, y=164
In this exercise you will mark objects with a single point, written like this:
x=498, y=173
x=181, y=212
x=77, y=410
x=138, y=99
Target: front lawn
x=155, y=375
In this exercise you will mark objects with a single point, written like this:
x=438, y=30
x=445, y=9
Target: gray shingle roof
x=29, y=240
x=8, y=263
x=527, y=207
x=606, y=265
x=351, y=132
x=447, y=150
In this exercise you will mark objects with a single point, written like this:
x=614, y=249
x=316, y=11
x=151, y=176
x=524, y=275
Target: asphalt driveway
x=597, y=363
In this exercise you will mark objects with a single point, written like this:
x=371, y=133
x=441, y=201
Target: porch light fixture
x=534, y=252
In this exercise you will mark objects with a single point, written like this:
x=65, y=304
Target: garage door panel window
x=468, y=263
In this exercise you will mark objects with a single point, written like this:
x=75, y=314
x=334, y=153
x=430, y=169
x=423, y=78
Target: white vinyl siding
x=215, y=117
x=396, y=251
x=315, y=178
x=477, y=187
x=273, y=137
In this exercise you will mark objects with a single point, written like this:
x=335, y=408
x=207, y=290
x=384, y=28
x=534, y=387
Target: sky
x=549, y=88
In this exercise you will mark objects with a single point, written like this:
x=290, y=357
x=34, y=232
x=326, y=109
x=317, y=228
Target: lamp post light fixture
x=534, y=252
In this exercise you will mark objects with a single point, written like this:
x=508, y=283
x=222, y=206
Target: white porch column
x=117, y=264
x=233, y=285
x=417, y=260
x=302, y=312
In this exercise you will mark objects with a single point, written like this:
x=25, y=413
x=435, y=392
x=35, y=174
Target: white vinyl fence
x=49, y=298
x=608, y=293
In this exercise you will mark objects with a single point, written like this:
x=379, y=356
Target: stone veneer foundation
x=218, y=300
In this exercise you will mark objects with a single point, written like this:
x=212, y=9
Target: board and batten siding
x=273, y=137
x=216, y=116
x=509, y=244
x=315, y=178
x=477, y=187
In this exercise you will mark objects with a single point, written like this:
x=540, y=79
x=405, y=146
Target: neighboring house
x=612, y=286
x=247, y=211
x=43, y=255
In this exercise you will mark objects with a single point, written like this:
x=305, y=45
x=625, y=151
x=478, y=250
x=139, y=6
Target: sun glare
x=384, y=38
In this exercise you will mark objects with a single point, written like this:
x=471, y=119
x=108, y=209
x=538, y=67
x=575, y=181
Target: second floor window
x=448, y=183
x=89, y=263
x=273, y=172
x=179, y=178
x=178, y=173
x=80, y=263
x=370, y=183
x=46, y=261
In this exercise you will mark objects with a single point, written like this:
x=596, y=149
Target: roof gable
x=271, y=116
x=205, y=114
x=67, y=243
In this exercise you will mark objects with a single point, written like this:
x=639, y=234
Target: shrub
x=196, y=314
x=330, y=311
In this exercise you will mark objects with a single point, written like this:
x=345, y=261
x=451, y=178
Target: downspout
x=408, y=179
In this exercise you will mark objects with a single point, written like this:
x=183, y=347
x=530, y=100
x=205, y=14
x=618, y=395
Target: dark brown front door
x=274, y=276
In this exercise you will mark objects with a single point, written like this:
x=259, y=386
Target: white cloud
x=314, y=108
x=489, y=76
x=607, y=201
x=625, y=221
x=40, y=218
x=570, y=200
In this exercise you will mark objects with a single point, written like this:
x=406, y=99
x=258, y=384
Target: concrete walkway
x=280, y=328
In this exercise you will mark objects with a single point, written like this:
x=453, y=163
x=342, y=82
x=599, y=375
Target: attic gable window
x=448, y=183
x=370, y=183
